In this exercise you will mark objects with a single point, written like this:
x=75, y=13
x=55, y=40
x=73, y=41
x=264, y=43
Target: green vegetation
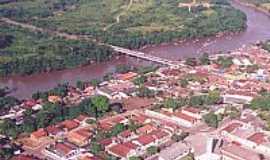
x=211, y=119
x=131, y=24
x=140, y=80
x=261, y=102
x=26, y=52
x=213, y=97
x=224, y=62
x=152, y=150
x=53, y=113
x=95, y=148
x=188, y=157
x=134, y=158
x=143, y=91
x=266, y=45
x=175, y=103
x=128, y=23
x=181, y=137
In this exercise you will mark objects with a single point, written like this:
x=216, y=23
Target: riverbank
x=258, y=8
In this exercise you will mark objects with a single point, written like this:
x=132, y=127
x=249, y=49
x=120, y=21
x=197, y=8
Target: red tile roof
x=159, y=134
x=39, y=133
x=125, y=134
x=236, y=152
x=130, y=145
x=106, y=126
x=146, y=129
x=258, y=138
x=106, y=142
x=232, y=127
x=53, y=130
x=145, y=139
x=185, y=117
x=120, y=150
x=69, y=124
x=64, y=148
x=192, y=110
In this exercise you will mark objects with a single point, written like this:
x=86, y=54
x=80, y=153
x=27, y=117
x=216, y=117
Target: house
x=106, y=143
x=146, y=129
x=54, y=131
x=54, y=99
x=145, y=141
x=184, y=119
x=62, y=151
x=193, y=112
x=203, y=146
x=174, y=152
x=236, y=152
x=133, y=103
x=122, y=151
x=38, y=135
x=126, y=135
x=69, y=125
x=80, y=137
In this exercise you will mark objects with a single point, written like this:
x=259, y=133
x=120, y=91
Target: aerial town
x=212, y=108
x=134, y=80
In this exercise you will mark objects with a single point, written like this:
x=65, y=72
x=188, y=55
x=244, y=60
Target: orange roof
x=120, y=150
x=70, y=124
x=54, y=99
x=146, y=129
x=258, y=138
x=79, y=135
x=127, y=76
x=39, y=133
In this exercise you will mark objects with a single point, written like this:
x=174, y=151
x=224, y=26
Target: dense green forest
x=127, y=23
x=25, y=52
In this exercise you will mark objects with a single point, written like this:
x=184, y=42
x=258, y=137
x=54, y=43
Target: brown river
x=258, y=30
